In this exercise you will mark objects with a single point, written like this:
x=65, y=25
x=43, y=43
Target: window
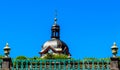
x=50, y=51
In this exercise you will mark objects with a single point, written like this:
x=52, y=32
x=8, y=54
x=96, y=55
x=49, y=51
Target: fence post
x=7, y=63
x=114, y=64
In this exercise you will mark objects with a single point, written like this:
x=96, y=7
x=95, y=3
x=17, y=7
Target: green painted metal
x=64, y=67
x=60, y=64
x=1, y=64
x=98, y=66
x=102, y=65
x=29, y=65
x=83, y=65
x=93, y=66
x=108, y=64
x=78, y=64
x=88, y=65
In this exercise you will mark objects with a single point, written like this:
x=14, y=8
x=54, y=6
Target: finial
x=114, y=43
x=6, y=50
x=114, y=49
x=7, y=44
x=55, y=13
x=55, y=19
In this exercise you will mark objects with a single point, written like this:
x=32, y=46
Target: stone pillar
x=7, y=63
x=114, y=64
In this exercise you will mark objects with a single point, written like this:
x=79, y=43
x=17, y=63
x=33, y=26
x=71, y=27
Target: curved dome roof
x=54, y=43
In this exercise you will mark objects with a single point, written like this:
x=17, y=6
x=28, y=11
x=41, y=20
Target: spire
x=55, y=30
x=55, y=21
x=114, y=45
x=7, y=44
x=55, y=18
x=56, y=13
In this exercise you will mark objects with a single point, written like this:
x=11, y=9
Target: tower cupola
x=55, y=45
x=55, y=30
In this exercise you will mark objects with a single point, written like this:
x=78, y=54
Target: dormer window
x=50, y=51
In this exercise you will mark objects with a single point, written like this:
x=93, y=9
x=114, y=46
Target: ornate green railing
x=60, y=65
x=0, y=64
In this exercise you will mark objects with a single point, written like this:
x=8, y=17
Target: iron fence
x=60, y=65
x=0, y=64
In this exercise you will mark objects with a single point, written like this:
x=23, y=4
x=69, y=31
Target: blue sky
x=89, y=27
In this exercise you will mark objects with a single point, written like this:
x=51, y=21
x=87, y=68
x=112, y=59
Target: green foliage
x=48, y=56
x=96, y=59
x=119, y=57
x=55, y=56
x=60, y=56
x=119, y=60
x=105, y=59
x=90, y=59
x=35, y=58
x=26, y=58
x=21, y=58
x=1, y=56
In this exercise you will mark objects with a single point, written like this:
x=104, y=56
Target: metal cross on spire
x=56, y=13
x=55, y=19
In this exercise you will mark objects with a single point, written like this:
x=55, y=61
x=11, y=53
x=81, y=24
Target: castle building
x=55, y=45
